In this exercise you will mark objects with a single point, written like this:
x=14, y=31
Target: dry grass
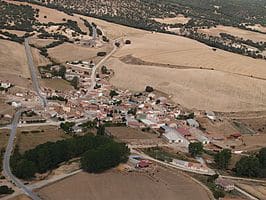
x=14, y=70
x=236, y=32
x=228, y=87
x=4, y=135
x=41, y=42
x=257, y=190
x=56, y=84
x=17, y=32
x=21, y=197
x=29, y=140
x=71, y=52
x=130, y=186
x=253, y=142
x=114, y=31
x=129, y=133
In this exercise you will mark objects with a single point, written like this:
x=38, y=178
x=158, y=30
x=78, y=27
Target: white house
x=171, y=135
x=192, y=123
x=199, y=135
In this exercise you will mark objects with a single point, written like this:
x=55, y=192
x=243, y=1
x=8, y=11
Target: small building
x=225, y=184
x=192, y=123
x=16, y=104
x=171, y=135
x=211, y=115
x=199, y=135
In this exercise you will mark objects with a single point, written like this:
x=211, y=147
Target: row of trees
x=48, y=156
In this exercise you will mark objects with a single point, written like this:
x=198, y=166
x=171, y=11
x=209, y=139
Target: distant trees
x=222, y=158
x=195, y=148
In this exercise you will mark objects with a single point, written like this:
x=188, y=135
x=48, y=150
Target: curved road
x=6, y=162
x=33, y=73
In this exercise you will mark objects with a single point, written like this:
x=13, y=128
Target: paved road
x=6, y=162
x=33, y=73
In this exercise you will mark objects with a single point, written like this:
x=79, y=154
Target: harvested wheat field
x=13, y=64
x=112, y=30
x=71, y=52
x=245, y=34
x=130, y=186
x=192, y=73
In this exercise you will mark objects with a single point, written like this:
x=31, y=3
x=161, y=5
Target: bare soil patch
x=179, y=19
x=130, y=186
x=256, y=189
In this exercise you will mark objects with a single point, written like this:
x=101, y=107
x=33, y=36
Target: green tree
x=262, y=157
x=248, y=166
x=195, y=148
x=25, y=169
x=222, y=158
x=105, y=157
x=101, y=130
x=5, y=190
x=113, y=93
x=75, y=82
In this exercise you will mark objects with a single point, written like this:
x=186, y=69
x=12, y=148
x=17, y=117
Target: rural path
x=6, y=162
x=33, y=73
x=94, y=69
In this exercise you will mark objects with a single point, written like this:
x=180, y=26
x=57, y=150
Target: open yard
x=193, y=74
x=131, y=186
x=253, y=142
x=30, y=137
x=56, y=84
x=134, y=136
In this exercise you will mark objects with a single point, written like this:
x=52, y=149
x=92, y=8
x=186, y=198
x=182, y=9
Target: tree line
x=48, y=156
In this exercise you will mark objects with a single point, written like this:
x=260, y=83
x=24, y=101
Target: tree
x=113, y=93
x=248, y=166
x=67, y=127
x=5, y=190
x=25, y=169
x=195, y=148
x=105, y=157
x=101, y=130
x=75, y=82
x=149, y=89
x=222, y=158
x=262, y=157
